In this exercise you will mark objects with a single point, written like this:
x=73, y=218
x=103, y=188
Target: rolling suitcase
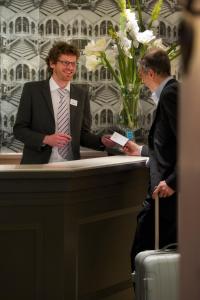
x=157, y=271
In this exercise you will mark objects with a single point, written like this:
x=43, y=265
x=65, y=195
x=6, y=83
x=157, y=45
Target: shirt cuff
x=140, y=150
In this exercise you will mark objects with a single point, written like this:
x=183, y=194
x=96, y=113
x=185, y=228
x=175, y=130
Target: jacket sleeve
x=88, y=139
x=145, y=150
x=169, y=106
x=22, y=128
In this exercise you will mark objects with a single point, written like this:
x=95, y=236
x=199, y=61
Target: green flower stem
x=129, y=113
x=122, y=65
x=132, y=65
x=111, y=69
x=141, y=24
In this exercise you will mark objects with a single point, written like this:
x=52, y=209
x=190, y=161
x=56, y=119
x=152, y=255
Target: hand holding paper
x=105, y=139
x=119, y=139
x=131, y=148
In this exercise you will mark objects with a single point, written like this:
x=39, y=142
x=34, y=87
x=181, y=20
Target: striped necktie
x=63, y=121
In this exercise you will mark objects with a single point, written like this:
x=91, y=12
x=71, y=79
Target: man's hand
x=131, y=148
x=105, y=139
x=162, y=190
x=57, y=139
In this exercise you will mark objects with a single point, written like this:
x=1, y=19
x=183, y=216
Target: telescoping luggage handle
x=157, y=222
x=172, y=246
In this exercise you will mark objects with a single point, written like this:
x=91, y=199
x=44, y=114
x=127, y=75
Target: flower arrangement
x=120, y=54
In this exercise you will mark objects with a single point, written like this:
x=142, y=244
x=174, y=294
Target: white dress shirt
x=156, y=94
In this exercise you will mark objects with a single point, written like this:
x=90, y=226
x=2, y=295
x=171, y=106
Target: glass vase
x=130, y=114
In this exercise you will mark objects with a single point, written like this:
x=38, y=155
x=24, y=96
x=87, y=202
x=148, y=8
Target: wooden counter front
x=66, y=229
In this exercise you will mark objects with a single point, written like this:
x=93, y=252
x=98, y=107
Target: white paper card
x=119, y=139
x=73, y=102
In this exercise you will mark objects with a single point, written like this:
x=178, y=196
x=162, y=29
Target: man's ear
x=151, y=73
x=51, y=64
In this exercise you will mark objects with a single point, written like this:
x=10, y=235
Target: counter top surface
x=71, y=166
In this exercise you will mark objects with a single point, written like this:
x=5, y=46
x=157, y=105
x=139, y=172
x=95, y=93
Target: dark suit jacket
x=35, y=119
x=162, y=141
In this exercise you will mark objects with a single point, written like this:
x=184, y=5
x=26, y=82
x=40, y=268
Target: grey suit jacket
x=35, y=119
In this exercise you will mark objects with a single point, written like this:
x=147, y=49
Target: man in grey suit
x=162, y=147
x=37, y=123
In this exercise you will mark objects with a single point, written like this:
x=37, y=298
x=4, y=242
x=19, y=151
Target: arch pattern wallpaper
x=28, y=28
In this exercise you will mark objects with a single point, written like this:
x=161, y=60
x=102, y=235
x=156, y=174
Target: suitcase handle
x=173, y=247
x=156, y=222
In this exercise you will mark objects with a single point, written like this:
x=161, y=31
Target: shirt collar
x=54, y=86
x=156, y=94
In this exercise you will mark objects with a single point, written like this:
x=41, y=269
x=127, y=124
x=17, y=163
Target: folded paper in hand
x=119, y=139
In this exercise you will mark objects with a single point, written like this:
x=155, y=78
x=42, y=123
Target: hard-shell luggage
x=157, y=271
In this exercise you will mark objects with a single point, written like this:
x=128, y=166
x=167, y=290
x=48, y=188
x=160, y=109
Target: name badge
x=73, y=102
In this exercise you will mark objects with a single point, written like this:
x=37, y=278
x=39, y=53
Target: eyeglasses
x=68, y=63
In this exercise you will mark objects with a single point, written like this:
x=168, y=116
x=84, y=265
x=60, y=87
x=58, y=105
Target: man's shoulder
x=172, y=86
x=32, y=84
x=172, y=83
x=81, y=88
x=170, y=95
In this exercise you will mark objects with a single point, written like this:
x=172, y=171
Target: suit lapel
x=47, y=96
x=73, y=108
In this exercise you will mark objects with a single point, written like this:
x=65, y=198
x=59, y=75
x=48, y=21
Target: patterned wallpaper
x=28, y=28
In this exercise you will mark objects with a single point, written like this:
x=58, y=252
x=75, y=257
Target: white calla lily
x=145, y=37
x=132, y=25
x=124, y=42
x=157, y=43
x=95, y=48
x=92, y=62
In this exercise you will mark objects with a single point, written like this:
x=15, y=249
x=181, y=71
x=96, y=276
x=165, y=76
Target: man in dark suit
x=162, y=146
x=37, y=123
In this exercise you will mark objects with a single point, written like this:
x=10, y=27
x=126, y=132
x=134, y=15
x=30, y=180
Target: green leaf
x=121, y=4
x=122, y=22
x=173, y=51
x=128, y=4
x=155, y=12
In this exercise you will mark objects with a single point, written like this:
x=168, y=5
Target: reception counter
x=66, y=229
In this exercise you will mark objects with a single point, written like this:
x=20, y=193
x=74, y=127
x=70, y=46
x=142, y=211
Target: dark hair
x=58, y=49
x=158, y=61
